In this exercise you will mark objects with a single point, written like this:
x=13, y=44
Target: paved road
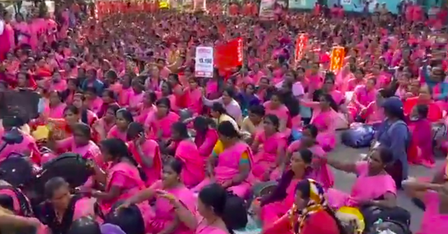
x=344, y=181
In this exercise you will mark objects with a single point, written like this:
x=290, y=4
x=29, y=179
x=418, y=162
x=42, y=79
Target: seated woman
x=276, y=204
x=294, y=124
x=122, y=179
x=309, y=214
x=248, y=98
x=434, y=196
x=276, y=106
x=159, y=124
x=145, y=151
x=329, y=88
x=80, y=143
x=85, y=115
x=55, y=106
x=206, y=136
x=187, y=152
x=213, y=213
x=122, y=120
x=440, y=90
x=365, y=191
x=230, y=105
x=102, y=126
x=253, y=123
x=362, y=97
x=147, y=107
x=319, y=170
x=92, y=101
x=420, y=150
x=219, y=114
x=62, y=208
x=269, y=148
x=27, y=147
x=373, y=113
x=194, y=92
x=230, y=163
x=164, y=219
x=62, y=128
x=324, y=113
x=136, y=96
x=108, y=99
x=434, y=111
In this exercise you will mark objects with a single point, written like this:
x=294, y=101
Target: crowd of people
x=118, y=88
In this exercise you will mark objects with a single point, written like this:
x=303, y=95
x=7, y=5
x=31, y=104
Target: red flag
x=229, y=55
x=301, y=43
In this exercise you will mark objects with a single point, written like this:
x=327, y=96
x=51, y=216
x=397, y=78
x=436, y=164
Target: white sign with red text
x=204, y=62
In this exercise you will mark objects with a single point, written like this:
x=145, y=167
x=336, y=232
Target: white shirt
x=2, y=26
x=297, y=88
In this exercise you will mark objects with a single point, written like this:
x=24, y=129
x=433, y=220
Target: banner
x=267, y=9
x=301, y=4
x=229, y=55
x=301, y=43
x=337, y=58
x=204, y=62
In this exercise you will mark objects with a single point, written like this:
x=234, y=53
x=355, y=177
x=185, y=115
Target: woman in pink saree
x=370, y=174
x=276, y=107
x=329, y=87
x=319, y=171
x=273, y=206
x=87, y=116
x=27, y=147
x=122, y=179
x=194, y=92
x=357, y=80
x=136, y=95
x=164, y=218
x=269, y=149
x=122, y=120
x=159, y=125
x=373, y=113
x=382, y=79
x=362, y=97
x=206, y=136
x=80, y=143
x=324, y=114
x=420, y=150
x=433, y=195
x=188, y=153
x=93, y=101
x=55, y=108
x=211, y=208
x=146, y=108
x=102, y=126
x=230, y=163
x=145, y=151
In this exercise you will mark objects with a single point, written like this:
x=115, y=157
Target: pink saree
x=228, y=167
x=194, y=163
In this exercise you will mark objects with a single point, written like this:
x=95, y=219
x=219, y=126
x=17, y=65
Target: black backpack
x=25, y=205
x=397, y=217
x=394, y=227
